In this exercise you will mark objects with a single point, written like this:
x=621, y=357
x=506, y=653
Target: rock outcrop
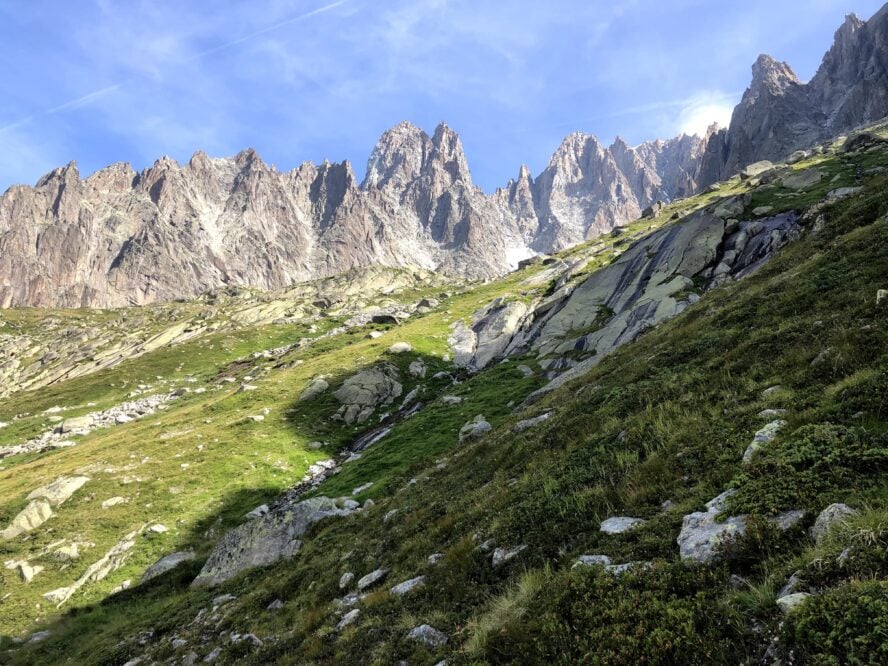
x=265, y=540
x=780, y=114
x=654, y=280
x=362, y=393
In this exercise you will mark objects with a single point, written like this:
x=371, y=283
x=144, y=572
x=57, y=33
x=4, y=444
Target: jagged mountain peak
x=779, y=114
x=398, y=157
x=773, y=75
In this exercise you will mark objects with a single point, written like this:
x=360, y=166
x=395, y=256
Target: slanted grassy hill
x=496, y=524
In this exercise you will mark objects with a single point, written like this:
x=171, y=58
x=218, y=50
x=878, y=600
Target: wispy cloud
x=95, y=95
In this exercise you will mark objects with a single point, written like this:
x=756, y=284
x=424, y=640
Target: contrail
x=84, y=99
x=96, y=94
x=245, y=38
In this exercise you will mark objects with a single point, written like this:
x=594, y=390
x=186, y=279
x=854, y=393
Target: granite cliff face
x=779, y=114
x=124, y=238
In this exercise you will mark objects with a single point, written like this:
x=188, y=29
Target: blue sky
x=101, y=81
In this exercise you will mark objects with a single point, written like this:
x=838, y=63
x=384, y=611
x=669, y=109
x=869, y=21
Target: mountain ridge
x=119, y=237
x=173, y=231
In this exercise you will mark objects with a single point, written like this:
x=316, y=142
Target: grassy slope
x=198, y=466
x=666, y=418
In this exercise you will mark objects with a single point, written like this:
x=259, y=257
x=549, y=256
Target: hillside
x=515, y=471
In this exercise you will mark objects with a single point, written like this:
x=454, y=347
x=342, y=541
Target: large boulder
x=764, y=436
x=30, y=518
x=429, y=635
x=167, y=563
x=362, y=393
x=831, y=516
x=76, y=424
x=313, y=390
x=492, y=330
x=620, y=524
x=800, y=180
x=756, y=169
x=704, y=538
x=42, y=500
x=474, y=429
x=263, y=541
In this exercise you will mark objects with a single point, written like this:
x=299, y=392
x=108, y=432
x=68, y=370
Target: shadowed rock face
x=265, y=540
x=779, y=114
x=120, y=238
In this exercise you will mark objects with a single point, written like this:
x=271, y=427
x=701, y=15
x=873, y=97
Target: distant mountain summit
x=125, y=238
x=779, y=114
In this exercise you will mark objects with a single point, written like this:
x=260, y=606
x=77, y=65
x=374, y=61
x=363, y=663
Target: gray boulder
x=620, y=524
x=265, y=540
x=492, y=330
x=372, y=579
x=591, y=560
x=791, y=602
x=362, y=393
x=503, y=555
x=30, y=518
x=407, y=586
x=761, y=438
x=704, y=538
x=831, y=516
x=527, y=424
x=316, y=388
x=428, y=635
x=75, y=424
x=166, y=563
x=800, y=180
x=348, y=619
x=756, y=169
x=474, y=429
x=60, y=490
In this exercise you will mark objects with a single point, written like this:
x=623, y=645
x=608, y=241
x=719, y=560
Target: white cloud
x=702, y=110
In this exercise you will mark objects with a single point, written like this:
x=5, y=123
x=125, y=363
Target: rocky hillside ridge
x=43, y=348
x=124, y=238
x=709, y=446
x=779, y=114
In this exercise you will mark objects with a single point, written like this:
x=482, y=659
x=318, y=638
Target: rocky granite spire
x=779, y=114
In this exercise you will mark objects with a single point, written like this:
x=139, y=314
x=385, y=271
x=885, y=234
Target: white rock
x=400, y=348
x=28, y=571
x=371, y=579
x=362, y=488
x=503, y=555
x=703, y=538
x=526, y=424
x=428, y=635
x=620, y=524
x=167, y=563
x=831, y=516
x=791, y=601
x=407, y=586
x=348, y=618
x=591, y=560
